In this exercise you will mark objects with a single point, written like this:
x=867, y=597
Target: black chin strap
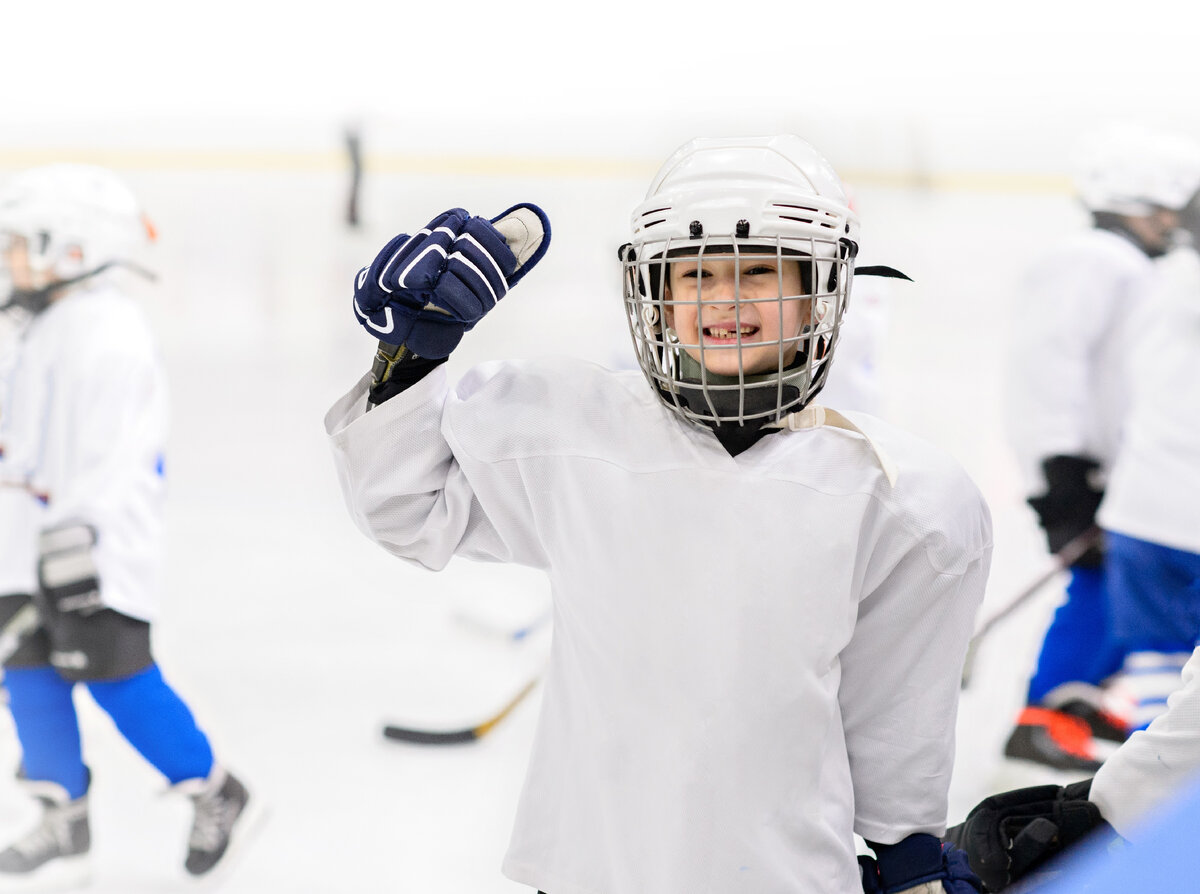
x=34, y=301
x=735, y=437
x=881, y=270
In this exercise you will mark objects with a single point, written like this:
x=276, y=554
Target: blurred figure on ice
x=1152, y=565
x=1151, y=509
x=1079, y=314
x=82, y=440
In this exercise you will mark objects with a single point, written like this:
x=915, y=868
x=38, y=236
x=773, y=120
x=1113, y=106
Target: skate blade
x=65, y=874
x=247, y=828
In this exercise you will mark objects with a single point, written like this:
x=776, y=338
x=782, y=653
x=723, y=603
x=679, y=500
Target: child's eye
x=758, y=270
x=692, y=274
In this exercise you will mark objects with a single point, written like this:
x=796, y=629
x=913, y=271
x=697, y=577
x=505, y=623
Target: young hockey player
x=761, y=607
x=82, y=467
x=1153, y=567
x=1149, y=512
x=1075, y=333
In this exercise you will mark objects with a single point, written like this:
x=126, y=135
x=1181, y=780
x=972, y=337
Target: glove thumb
x=526, y=231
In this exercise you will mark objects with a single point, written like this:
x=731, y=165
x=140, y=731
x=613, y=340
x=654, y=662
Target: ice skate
x=1108, y=730
x=53, y=856
x=1056, y=739
x=224, y=815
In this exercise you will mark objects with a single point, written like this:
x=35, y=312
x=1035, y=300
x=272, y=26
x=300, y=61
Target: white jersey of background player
x=82, y=437
x=17, y=542
x=760, y=609
x=1154, y=490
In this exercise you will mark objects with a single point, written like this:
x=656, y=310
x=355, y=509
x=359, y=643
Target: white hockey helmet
x=1131, y=170
x=728, y=198
x=76, y=219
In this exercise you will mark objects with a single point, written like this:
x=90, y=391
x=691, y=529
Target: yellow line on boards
x=301, y=161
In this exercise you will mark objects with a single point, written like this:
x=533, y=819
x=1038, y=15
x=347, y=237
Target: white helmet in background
x=1132, y=170
x=77, y=220
x=729, y=198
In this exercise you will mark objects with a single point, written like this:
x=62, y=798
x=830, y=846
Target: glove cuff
x=915, y=859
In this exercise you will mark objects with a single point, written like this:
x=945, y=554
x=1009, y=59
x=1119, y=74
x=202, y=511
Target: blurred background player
x=1069, y=392
x=734, y=571
x=1151, y=509
x=1152, y=567
x=83, y=434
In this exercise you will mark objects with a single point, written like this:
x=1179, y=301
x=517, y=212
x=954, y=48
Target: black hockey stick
x=16, y=628
x=457, y=736
x=1062, y=560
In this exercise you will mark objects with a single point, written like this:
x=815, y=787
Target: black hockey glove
x=67, y=575
x=1068, y=507
x=915, y=861
x=1008, y=835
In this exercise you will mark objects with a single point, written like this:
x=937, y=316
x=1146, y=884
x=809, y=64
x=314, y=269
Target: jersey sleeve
x=408, y=488
x=1155, y=763
x=1059, y=318
x=902, y=671
x=18, y=551
x=108, y=432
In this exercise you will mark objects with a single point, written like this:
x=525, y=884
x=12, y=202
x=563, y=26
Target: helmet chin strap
x=34, y=301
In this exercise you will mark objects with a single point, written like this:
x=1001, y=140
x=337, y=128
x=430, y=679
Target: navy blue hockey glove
x=1008, y=835
x=422, y=292
x=919, y=860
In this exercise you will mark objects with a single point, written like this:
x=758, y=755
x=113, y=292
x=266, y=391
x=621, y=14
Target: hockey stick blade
x=1067, y=556
x=24, y=622
x=419, y=736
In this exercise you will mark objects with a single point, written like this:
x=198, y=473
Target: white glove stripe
x=407, y=270
x=485, y=253
x=387, y=313
x=468, y=263
x=396, y=254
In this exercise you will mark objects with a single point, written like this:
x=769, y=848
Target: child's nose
x=721, y=290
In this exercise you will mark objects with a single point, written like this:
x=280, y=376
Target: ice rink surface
x=294, y=638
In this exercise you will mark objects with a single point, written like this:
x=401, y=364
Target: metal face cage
x=723, y=331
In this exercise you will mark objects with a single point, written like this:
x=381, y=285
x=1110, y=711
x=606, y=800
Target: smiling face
x=755, y=301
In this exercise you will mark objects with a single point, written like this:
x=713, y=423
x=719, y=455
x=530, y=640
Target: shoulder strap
x=814, y=416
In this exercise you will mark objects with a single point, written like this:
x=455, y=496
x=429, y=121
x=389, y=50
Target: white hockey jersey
x=83, y=435
x=17, y=574
x=753, y=657
x=1154, y=491
x=1070, y=343
x=1156, y=763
